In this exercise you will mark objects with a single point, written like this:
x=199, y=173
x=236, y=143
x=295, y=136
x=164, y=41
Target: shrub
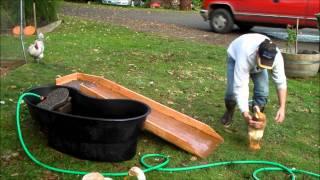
x=10, y=15
x=46, y=11
x=83, y=1
x=197, y=3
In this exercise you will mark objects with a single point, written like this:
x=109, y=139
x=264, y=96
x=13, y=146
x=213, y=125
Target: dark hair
x=267, y=50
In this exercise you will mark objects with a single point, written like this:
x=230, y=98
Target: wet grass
x=11, y=48
x=186, y=76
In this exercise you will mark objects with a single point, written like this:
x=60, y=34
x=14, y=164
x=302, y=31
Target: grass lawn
x=11, y=49
x=187, y=76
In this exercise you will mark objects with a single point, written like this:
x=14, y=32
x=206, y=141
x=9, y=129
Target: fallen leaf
x=229, y=130
x=193, y=158
x=9, y=156
x=170, y=102
x=16, y=154
x=48, y=175
x=14, y=174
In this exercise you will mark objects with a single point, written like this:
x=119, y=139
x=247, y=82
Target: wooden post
x=185, y=5
x=318, y=20
x=35, y=16
x=296, y=41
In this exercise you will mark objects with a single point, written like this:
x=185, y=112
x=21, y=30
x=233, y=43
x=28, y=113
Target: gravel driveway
x=178, y=24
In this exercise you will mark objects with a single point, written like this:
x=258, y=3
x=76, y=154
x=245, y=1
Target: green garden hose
x=161, y=166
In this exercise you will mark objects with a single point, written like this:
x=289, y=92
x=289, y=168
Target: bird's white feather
x=36, y=50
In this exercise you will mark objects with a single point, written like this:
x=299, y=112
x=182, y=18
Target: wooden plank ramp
x=179, y=129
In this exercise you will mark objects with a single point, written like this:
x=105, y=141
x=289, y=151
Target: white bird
x=37, y=48
x=135, y=171
x=95, y=176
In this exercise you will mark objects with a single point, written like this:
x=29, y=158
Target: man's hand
x=247, y=116
x=280, y=115
x=251, y=122
x=282, y=96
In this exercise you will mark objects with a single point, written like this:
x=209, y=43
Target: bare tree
x=185, y=5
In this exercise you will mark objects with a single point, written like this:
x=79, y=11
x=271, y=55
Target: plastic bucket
x=95, y=129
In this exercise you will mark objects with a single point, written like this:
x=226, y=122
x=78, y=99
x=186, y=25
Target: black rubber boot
x=226, y=119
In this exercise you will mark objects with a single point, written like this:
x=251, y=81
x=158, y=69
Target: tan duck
x=255, y=135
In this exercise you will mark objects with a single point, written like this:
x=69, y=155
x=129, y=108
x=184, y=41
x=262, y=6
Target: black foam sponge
x=55, y=99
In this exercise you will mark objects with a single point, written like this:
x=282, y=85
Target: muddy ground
x=6, y=66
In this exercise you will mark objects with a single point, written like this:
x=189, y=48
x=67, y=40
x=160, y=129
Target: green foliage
x=11, y=49
x=46, y=11
x=197, y=3
x=83, y=1
x=9, y=12
x=291, y=39
x=186, y=76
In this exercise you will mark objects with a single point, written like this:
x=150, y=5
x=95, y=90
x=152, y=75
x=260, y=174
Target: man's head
x=266, y=53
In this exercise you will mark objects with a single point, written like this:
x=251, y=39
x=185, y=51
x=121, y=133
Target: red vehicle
x=223, y=14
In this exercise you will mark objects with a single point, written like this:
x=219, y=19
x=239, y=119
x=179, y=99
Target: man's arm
x=279, y=77
x=241, y=83
x=282, y=97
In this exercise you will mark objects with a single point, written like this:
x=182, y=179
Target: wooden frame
x=179, y=129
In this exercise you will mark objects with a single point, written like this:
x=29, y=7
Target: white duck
x=37, y=48
x=95, y=176
x=135, y=171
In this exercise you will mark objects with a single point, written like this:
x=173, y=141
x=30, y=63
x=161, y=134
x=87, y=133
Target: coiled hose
x=161, y=166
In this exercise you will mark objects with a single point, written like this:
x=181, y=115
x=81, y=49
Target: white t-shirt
x=244, y=50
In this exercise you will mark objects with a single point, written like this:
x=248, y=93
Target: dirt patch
x=7, y=65
x=179, y=32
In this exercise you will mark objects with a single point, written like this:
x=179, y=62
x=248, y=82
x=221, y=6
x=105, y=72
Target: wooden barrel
x=301, y=65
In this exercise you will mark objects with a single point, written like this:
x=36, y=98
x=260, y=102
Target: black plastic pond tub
x=95, y=129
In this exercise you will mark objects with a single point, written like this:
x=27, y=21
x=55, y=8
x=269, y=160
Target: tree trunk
x=185, y=5
x=166, y=4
